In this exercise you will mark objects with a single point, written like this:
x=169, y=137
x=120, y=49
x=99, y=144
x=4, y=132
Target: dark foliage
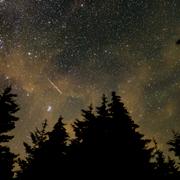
x=46, y=156
x=174, y=144
x=107, y=144
x=8, y=108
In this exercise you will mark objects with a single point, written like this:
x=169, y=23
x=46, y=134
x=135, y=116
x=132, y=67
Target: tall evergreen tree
x=56, y=148
x=109, y=139
x=85, y=142
x=46, y=155
x=8, y=108
x=28, y=168
x=131, y=149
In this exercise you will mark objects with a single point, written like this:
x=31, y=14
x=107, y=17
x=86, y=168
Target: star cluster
x=61, y=55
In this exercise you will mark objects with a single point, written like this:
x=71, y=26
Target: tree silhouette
x=56, y=148
x=80, y=158
x=107, y=144
x=46, y=155
x=108, y=139
x=39, y=137
x=8, y=108
x=132, y=149
x=164, y=167
x=175, y=144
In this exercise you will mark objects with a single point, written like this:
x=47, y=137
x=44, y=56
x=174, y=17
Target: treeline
x=107, y=144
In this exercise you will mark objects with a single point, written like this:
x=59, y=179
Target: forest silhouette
x=107, y=144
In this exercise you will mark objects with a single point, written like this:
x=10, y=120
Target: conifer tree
x=46, y=156
x=8, y=108
x=109, y=139
x=163, y=167
x=130, y=146
x=28, y=168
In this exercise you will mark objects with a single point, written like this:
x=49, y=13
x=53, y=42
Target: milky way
x=61, y=55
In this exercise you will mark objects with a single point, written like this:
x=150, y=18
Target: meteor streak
x=60, y=92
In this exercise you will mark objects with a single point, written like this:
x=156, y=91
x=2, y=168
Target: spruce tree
x=46, y=156
x=107, y=143
x=130, y=147
x=29, y=167
x=8, y=108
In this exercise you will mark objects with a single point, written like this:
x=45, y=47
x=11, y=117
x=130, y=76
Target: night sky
x=61, y=55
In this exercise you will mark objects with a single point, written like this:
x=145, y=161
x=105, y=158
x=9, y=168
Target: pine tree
x=46, y=156
x=131, y=149
x=28, y=168
x=163, y=167
x=109, y=139
x=56, y=147
x=8, y=108
x=84, y=146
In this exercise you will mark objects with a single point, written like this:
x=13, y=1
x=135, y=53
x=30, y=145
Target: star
x=49, y=108
x=29, y=53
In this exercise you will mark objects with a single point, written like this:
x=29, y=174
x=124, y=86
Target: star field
x=61, y=55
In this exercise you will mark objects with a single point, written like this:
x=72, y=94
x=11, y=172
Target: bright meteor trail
x=60, y=92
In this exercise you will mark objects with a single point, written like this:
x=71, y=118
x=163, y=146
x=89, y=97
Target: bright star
x=49, y=108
